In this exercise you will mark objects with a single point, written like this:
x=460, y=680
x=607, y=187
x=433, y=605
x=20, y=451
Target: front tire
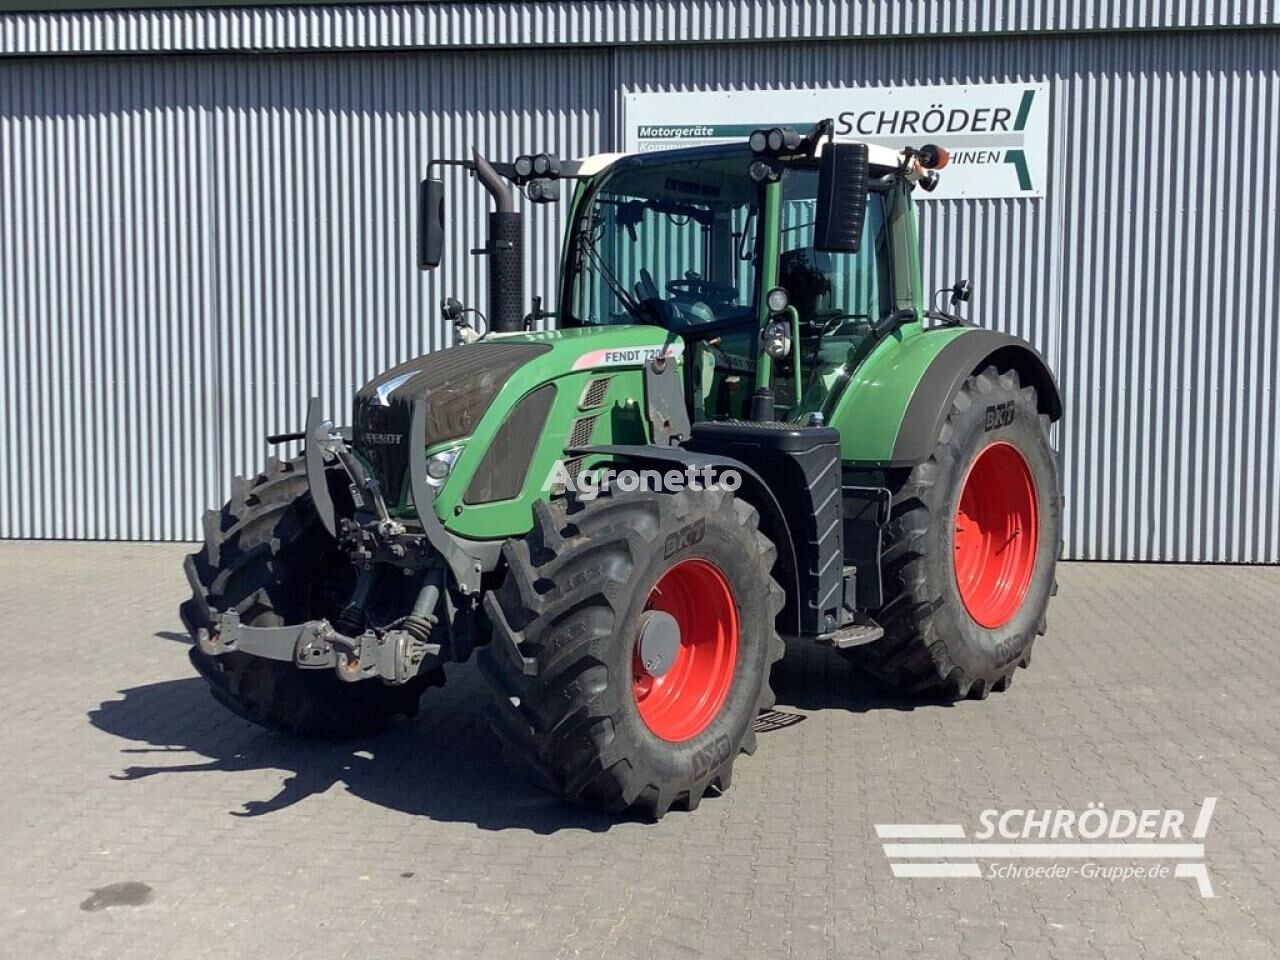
x=267, y=557
x=971, y=550
x=590, y=598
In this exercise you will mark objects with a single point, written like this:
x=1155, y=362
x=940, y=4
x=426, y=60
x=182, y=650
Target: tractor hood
x=457, y=384
x=460, y=385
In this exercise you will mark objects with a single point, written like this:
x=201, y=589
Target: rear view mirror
x=430, y=223
x=842, y=198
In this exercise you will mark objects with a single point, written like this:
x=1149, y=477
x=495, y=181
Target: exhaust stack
x=504, y=249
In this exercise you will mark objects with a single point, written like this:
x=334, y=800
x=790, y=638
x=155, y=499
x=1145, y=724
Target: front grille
x=457, y=385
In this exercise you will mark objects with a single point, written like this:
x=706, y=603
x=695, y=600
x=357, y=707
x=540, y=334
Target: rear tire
x=970, y=554
x=268, y=557
x=573, y=702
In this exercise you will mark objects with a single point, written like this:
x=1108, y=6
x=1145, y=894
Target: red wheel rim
x=682, y=702
x=996, y=535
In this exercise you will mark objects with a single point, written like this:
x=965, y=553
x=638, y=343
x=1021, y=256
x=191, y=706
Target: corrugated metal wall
x=192, y=245
x=436, y=25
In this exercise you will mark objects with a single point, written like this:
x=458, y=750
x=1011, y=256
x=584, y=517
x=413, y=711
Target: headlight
x=439, y=465
x=776, y=340
x=776, y=300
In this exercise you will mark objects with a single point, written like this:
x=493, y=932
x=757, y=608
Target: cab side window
x=834, y=293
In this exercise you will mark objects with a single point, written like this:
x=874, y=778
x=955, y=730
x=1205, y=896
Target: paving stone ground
x=141, y=820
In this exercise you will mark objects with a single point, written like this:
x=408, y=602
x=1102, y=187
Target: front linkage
x=377, y=547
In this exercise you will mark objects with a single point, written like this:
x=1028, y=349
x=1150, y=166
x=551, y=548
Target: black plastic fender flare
x=931, y=401
x=313, y=457
x=757, y=493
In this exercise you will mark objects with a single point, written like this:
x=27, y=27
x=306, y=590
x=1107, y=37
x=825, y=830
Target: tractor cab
x=779, y=263
x=692, y=242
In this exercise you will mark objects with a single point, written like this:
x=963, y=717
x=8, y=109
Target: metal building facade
x=196, y=235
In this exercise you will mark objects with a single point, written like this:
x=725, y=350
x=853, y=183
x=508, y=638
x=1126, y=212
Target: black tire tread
x=242, y=567
x=911, y=657
x=545, y=721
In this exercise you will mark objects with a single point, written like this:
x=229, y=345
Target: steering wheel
x=647, y=288
x=695, y=288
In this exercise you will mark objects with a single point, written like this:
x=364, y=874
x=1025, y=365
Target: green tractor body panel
x=596, y=376
x=598, y=399
x=869, y=412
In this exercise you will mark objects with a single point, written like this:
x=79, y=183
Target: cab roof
x=877, y=155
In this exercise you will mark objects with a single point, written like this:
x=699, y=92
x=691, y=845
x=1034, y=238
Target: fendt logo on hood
x=382, y=439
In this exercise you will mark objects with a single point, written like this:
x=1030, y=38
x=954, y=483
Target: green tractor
x=746, y=424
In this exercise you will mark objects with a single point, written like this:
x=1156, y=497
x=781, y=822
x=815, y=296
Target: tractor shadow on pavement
x=444, y=764
x=816, y=678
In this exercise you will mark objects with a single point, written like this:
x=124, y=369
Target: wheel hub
x=659, y=642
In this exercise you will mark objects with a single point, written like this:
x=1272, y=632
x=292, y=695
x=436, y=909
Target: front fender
x=773, y=522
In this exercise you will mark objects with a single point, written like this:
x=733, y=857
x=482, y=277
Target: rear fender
x=956, y=362
x=892, y=409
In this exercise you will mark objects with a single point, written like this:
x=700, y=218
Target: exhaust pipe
x=504, y=249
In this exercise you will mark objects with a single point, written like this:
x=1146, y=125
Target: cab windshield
x=673, y=244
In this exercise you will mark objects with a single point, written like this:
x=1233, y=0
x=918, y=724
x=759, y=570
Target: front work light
x=776, y=299
x=774, y=140
x=543, y=190
x=546, y=165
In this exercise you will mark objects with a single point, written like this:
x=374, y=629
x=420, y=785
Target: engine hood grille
x=457, y=384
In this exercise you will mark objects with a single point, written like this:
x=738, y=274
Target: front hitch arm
x=394, y=657
x=313, y=453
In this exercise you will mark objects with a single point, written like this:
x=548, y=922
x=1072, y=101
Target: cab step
x=854, y=635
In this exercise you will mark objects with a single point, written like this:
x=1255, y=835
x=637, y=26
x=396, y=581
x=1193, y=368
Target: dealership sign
x=998, y=133
x=1096, y=843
